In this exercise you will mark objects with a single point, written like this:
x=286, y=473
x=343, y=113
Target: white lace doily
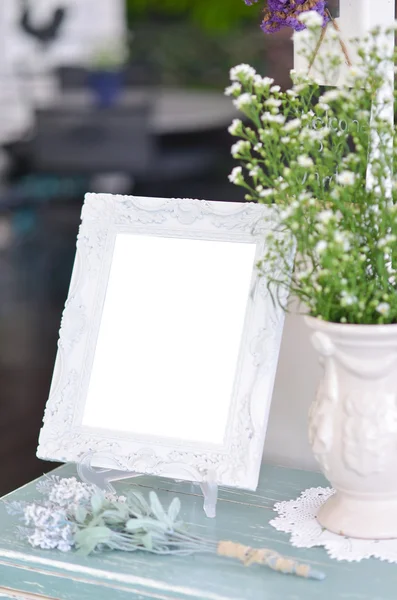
x=298, y=517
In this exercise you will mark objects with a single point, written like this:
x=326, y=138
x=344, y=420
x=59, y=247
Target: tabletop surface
x=26, y=573
x=175, y=110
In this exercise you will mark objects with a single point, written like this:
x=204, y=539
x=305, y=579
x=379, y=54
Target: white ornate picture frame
x=234, y=462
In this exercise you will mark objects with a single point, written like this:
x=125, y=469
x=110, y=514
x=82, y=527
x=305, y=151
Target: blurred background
x=121, y=96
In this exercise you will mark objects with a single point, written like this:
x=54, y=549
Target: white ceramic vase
x=353, y=427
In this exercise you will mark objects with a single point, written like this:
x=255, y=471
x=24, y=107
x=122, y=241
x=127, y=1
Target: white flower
x=242, y=71
x=372, y=210
x=385, y=241
x=311, y=18
x=236, y=176
x=300, y=87
x=333, y=34
x=292, y=93
x=348, y=299
x=305, y=161
x=314, y=135
x=254, y=172
x=275, y=88
x=244, y=101
x=303, y=37
x=363, y=115
x=236, y=127
x=342, y=239
x=110, y=497
x=346, y=178
x=285, y=139
x=240, y=147
x=350, y=159
x=51, y=529
x=266, y=193
x=233, y=89
x=321, y=246
x=325, y=216
x=303, y=196
x=262, y=83
x=292, y=125
x=70, y=493
x=258, y=147
x=303, y=274
x=51, y=540
x=355, y=72
x=383, y=309
x=331, y=95
x=323, y=132
x=287, y=213
x=269, y=118
x=273, y=103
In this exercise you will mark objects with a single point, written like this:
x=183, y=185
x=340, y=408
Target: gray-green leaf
x=80, y=514
x=147, y=524
x=137, y=501
x=174, y=509
x=147, y=541
x=91, y=537
x=97, y=503
x=157, y=508
x=134, y=525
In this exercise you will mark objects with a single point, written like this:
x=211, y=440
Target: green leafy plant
x=76, y=515
x=194, y=43
x=325, y=161
x=214, y=17
x=205, y=59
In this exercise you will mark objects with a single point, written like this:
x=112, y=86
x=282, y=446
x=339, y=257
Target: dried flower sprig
x=287, y=13
x=75, y=515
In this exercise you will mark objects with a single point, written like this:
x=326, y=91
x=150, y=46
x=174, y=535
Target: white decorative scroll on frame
x=99, y=402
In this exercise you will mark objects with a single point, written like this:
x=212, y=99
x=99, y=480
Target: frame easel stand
x=103, y=478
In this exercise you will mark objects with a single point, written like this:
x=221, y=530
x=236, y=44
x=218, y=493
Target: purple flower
x=286, y=13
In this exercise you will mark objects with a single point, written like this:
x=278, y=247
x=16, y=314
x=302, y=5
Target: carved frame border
x=63, y=438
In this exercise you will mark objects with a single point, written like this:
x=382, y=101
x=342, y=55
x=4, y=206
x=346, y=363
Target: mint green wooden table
x=27, y=574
